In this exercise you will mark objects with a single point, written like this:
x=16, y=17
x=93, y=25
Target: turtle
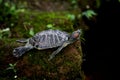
x=47, y=39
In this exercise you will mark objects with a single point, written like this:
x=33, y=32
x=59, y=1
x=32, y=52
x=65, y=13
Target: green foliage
x=12, y=67
x=31, y=32
x=71, y=17
x=50, y=26
x=74, y=3
x=89, y=14
x=0, y=1
x=118, y=0
x=4, y=33
x=98, y=3
x=9, y=12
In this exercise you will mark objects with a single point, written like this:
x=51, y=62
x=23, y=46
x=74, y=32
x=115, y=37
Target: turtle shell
x=48, y=39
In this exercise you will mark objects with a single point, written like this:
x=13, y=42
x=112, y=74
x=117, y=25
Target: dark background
x=101, y=42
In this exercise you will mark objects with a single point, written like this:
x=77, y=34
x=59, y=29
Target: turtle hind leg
x=58, y=50
x=22, y=40
x=19, y=51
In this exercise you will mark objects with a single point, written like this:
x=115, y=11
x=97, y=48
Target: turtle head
x=75, y=35
x=19, y=51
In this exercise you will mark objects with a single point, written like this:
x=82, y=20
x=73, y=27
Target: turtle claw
x=51, y=57
x=22, y=40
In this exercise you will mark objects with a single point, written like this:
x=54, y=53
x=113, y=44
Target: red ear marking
x=76, y=35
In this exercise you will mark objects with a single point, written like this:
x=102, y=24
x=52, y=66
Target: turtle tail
x=19, y=51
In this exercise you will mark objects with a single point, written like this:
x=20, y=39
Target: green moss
x=39, y=21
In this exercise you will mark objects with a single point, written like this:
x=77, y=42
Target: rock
x=35, y=65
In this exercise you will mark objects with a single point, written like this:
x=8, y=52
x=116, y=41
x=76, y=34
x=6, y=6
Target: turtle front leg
x=58, y=50
x=22, y=40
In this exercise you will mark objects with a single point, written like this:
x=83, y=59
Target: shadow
x=102, y=41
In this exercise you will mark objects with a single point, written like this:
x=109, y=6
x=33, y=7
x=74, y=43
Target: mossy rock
x=35, y=65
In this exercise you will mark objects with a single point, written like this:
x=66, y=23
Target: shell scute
x=48, y=39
